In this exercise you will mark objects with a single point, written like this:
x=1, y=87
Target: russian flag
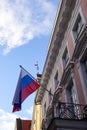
x=26, y=85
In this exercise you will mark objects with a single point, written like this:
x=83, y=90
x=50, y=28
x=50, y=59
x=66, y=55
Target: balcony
x=66, y=116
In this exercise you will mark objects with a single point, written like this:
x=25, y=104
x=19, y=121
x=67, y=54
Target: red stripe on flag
x=29, y=89
x=15, y=108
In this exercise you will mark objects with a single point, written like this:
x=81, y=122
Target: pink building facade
x=65, y=70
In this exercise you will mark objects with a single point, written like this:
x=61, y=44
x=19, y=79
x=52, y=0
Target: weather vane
x=37, y=67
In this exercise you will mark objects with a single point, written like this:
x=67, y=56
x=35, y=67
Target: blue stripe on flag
x=26, y=80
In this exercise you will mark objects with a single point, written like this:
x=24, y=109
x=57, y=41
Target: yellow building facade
x=37, y=112
x=37, y=117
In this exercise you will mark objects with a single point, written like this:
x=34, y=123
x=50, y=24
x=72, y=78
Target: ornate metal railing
x=65, y=111
x=71, y=111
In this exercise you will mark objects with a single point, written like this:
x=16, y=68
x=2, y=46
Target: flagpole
x=28, y=73
x=48, y=91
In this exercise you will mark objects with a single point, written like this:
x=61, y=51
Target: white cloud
x=23, y=20
x=7, y=120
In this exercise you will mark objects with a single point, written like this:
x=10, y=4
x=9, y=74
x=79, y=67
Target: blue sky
x=25, y=29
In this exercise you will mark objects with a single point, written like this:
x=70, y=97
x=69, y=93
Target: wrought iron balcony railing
x=63, y=110
x=71, y=111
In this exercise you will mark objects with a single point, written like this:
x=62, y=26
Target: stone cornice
x=62, y=18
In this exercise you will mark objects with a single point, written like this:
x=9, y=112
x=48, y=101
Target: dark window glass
x=65, y=57
x=56, y=80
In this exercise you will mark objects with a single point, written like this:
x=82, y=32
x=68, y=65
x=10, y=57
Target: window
x=50, y=96
x=56, y=80
x=84, y=68
x=45, y=108
x=85, y=64
x=77, y=27
x=73, y=109
x=65, y=57
x=71, y=93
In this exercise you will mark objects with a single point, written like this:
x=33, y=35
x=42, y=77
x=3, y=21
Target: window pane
x=56, y=80
x=65, y=57
x=77, y=27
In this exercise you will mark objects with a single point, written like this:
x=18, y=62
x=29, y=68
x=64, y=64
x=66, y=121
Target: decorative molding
x=67, y=72
x=58, y=33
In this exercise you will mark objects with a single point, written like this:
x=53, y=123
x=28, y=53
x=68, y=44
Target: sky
x=25, y=30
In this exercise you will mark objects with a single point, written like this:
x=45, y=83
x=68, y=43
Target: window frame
x=56, y=80
x=44, y=108
x=71, y=94
x=50, y=96
x=77, y=26
x=65, y=57
x=84, y=67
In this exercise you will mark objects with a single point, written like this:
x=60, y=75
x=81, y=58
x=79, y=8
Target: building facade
x=22, y=124
x=37, y=111
x=37, y=117
x=63, y=91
